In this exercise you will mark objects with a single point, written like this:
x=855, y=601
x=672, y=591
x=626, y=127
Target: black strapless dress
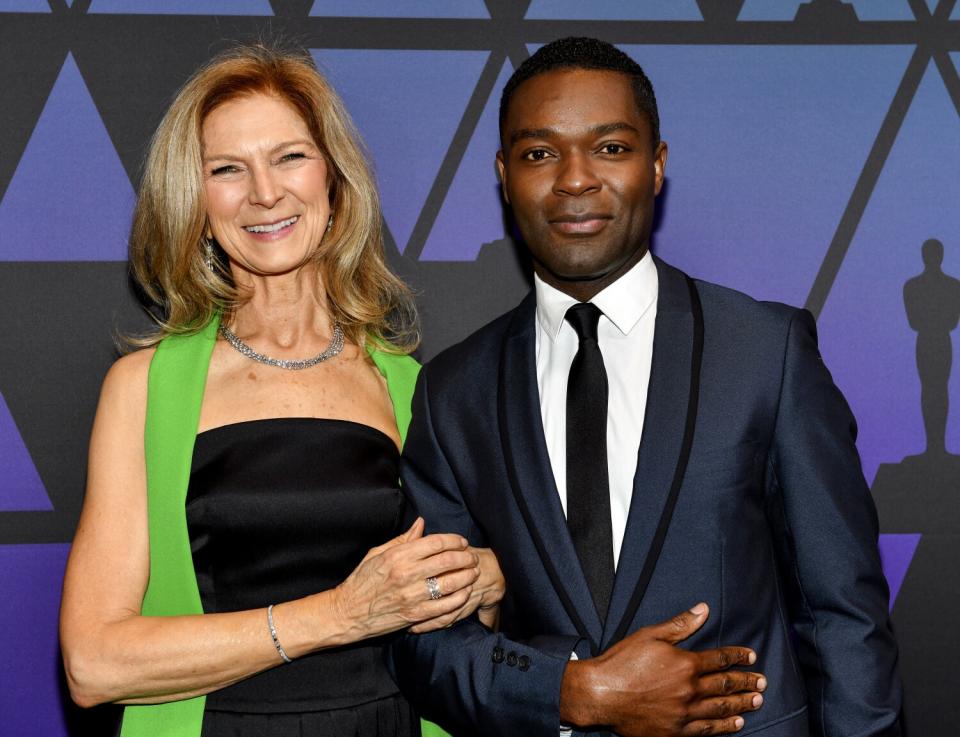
x=283, y=508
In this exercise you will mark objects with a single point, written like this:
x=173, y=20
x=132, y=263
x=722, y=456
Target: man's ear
x=502, y=175
x=659, y=166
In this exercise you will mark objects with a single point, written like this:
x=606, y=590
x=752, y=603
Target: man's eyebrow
x=597, y=130
x=531, y=133
x=605, y=128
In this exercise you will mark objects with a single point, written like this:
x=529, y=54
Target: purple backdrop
x=808, y=162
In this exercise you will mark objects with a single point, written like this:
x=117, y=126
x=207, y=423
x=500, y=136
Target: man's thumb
x=682, y=625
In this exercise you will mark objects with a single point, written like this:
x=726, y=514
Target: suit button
x=524, y=661
x=498, y=654
x=511, y=658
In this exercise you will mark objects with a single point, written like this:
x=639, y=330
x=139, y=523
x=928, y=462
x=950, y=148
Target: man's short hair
x=585, y=53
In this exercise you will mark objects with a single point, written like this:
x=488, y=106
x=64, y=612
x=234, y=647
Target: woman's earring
x=208, y=257
x=329, y=223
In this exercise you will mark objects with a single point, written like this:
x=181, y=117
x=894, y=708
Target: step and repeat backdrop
x=814, y=160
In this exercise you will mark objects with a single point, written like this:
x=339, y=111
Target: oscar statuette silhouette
x=921, y=494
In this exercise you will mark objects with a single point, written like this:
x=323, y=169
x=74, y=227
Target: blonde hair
x=167, y=244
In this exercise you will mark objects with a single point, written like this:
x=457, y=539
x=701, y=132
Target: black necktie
x=588, y=489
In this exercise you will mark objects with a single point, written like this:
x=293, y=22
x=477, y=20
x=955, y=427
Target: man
x=628, y=442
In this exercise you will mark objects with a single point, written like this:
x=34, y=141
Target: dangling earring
x=208, y=257
x=330, y=223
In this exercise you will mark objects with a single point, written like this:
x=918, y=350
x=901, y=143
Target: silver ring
x=433, y=586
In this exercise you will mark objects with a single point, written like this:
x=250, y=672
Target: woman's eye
x=292, y=156
x=228, y=169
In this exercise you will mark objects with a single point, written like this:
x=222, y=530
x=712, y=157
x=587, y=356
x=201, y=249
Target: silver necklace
x=336, y=345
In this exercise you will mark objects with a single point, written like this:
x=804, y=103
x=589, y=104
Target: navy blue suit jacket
x=773, y=526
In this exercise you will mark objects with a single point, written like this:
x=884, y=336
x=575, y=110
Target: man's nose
x=576, y=176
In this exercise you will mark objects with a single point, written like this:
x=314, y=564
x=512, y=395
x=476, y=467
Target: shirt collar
x=624, y=302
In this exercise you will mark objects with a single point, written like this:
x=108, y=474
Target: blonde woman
x=241, y=557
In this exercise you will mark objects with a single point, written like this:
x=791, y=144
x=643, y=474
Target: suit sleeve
x=467, y=678
x=827, y=533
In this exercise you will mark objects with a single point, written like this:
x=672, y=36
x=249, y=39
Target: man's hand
x=645, y=686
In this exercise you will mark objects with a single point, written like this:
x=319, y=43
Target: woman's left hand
x=488, y=590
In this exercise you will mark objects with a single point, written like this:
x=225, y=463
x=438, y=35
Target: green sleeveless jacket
x=177, y=377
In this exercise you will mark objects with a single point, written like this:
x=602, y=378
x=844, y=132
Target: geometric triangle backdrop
x=182, y=7
x=896, y=552
x=472, y=213
x=400, y=8
x=865, y=336
x=785, y=10
x=30, y=700
x=20, y=486
x=24, y=6
x=69, y=198
x=615, y=10
x=407, y=105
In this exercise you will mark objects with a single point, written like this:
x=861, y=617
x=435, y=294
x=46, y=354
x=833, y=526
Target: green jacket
x=175, y=387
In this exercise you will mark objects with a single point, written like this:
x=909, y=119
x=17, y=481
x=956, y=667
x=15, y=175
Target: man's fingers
x=681, y=626
x=725, y=657
x=712, y=726
x=725, y=707
x=722, y=714
x=729, y=682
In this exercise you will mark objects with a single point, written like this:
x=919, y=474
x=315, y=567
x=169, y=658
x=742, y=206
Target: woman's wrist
x=336, y=623
x=315, y=622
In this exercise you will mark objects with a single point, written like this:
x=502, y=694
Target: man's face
x=580, y=173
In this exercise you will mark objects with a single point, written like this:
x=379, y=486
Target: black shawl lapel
x=531, y=477
x=667, y=434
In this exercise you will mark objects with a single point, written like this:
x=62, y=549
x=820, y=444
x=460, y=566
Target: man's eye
x=613, y=148
x=538, y=154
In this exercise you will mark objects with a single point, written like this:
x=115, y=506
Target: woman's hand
x=388, y=591
x=485, y=596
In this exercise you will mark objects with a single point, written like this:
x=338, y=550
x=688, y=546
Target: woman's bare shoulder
x=127, y=378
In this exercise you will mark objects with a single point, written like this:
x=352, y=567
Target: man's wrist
x=578, y=706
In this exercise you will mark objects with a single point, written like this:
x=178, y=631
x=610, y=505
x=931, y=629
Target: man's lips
x=587, y=223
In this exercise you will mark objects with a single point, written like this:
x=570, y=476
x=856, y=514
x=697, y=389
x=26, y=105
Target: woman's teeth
x=271, y=228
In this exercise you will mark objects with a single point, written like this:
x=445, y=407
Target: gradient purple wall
x=793, y=146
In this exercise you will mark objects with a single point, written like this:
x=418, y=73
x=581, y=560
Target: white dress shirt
x=625, y=334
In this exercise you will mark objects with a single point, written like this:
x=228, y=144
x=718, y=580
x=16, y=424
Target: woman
x=258, y=222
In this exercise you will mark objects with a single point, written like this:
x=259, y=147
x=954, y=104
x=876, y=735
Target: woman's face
x=266, y=185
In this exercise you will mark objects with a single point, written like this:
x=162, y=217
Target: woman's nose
x=265, y=190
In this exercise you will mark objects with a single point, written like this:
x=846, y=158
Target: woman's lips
x=273, y=231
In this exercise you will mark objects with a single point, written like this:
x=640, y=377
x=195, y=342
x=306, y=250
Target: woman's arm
x=112, y=653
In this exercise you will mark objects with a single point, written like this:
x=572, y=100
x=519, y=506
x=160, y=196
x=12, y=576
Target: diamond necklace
x=336, y=345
